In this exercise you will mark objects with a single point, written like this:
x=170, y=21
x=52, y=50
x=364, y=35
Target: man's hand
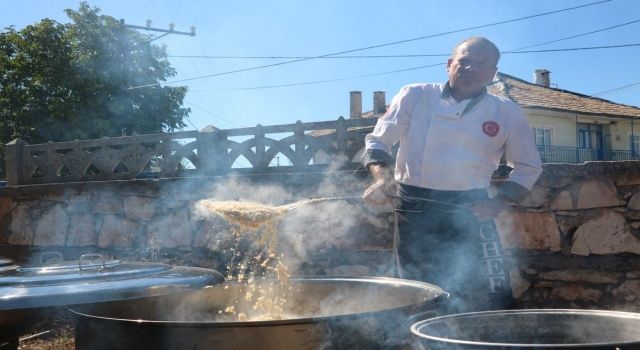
x=378, y=193
x=489, y=209
x=382, y=190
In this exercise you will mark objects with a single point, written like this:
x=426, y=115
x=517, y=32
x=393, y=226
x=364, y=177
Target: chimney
x=542, y=77
x=379, y=104
x=355, y=107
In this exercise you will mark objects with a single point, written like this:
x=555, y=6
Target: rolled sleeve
x=376, y=156
x=389, y=129
x=513, y=191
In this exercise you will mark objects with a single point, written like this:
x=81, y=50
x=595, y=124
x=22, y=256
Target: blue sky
x=315, y=28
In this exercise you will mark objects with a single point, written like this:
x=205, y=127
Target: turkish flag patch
x=490, y=128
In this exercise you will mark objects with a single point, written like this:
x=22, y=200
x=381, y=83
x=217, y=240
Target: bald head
x=480, y=41
x=471, y=67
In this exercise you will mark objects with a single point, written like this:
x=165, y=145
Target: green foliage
x=72, y=81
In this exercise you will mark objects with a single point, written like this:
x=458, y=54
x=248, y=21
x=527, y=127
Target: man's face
x=471, y=68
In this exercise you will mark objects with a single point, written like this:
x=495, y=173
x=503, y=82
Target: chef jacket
x=449, y=145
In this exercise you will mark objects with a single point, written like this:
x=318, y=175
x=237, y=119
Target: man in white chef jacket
x=451, y=138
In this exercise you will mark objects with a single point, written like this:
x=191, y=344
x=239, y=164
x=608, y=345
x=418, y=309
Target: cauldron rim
x=440, y=296
x=415, y=329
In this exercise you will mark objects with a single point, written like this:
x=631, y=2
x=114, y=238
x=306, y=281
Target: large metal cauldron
x=531, y=329
x=324, y=312
x=30, y=295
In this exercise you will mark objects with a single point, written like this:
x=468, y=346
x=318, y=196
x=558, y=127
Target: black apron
x=445, y=245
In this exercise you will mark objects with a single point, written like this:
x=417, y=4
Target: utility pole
x=166, y=32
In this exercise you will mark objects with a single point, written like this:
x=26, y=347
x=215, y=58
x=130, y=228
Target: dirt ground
x=56, y=339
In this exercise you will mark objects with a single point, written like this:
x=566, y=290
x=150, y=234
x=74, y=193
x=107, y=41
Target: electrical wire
x=408, y=69
x=617, y=89
x=375, y=46
x=190, y=122
x=323, y=81
x=424, y=55
x=578, y=35
x=213, y=114
x=572, y=49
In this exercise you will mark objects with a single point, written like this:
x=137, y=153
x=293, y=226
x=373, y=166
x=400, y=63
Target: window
x=589, y=136
x=541, y=136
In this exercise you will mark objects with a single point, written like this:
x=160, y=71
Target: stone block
x=562, y=201
x=139, y=208
x=519, y=285
x=588, y=276
x=524, y=230
x=632, y=214
x=117, y=232
x=543, y=284
x=51, y=227
x=107, y=204
x=537, y=198
x=6, y=206
x=634, y=202
x=20, y=230
x=82, y=230
x=576, y=293
x=598, y=194
x=171, y=231
x=628, y=291
x=606, y=234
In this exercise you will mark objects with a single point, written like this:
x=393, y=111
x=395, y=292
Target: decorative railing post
x=260, y=163
x=341, y=136
x=212, y=152
x=14, y=162
x=300, y=157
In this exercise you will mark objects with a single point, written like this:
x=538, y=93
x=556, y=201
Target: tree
x=73, y=81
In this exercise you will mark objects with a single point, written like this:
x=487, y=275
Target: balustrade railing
x=560, y=154
x=297, y=147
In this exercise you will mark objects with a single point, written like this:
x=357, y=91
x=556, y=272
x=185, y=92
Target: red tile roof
x=532, y=96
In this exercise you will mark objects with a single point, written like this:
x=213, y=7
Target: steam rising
x=265, y=238
x=308, y=229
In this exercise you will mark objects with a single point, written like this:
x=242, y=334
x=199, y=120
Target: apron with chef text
x=445, y=245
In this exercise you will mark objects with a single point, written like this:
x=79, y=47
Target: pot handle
x=45, y=256
x=91, y=256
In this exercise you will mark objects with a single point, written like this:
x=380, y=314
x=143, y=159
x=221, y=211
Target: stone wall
x=575, y=239
x=574, y=242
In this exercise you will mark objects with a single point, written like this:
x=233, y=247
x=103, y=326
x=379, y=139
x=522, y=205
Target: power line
x=408, y=69
x=420, y=55
x=213, y=114
x=376, y=46
x=616, y=89
x=325, y=81
x=573, y=49
x=417, y=55
x=311, y=57
x=190, y=122
x=578, y=35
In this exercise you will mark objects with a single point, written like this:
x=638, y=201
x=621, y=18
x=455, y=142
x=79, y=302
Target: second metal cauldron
x=531, y=329
x=325, y=312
